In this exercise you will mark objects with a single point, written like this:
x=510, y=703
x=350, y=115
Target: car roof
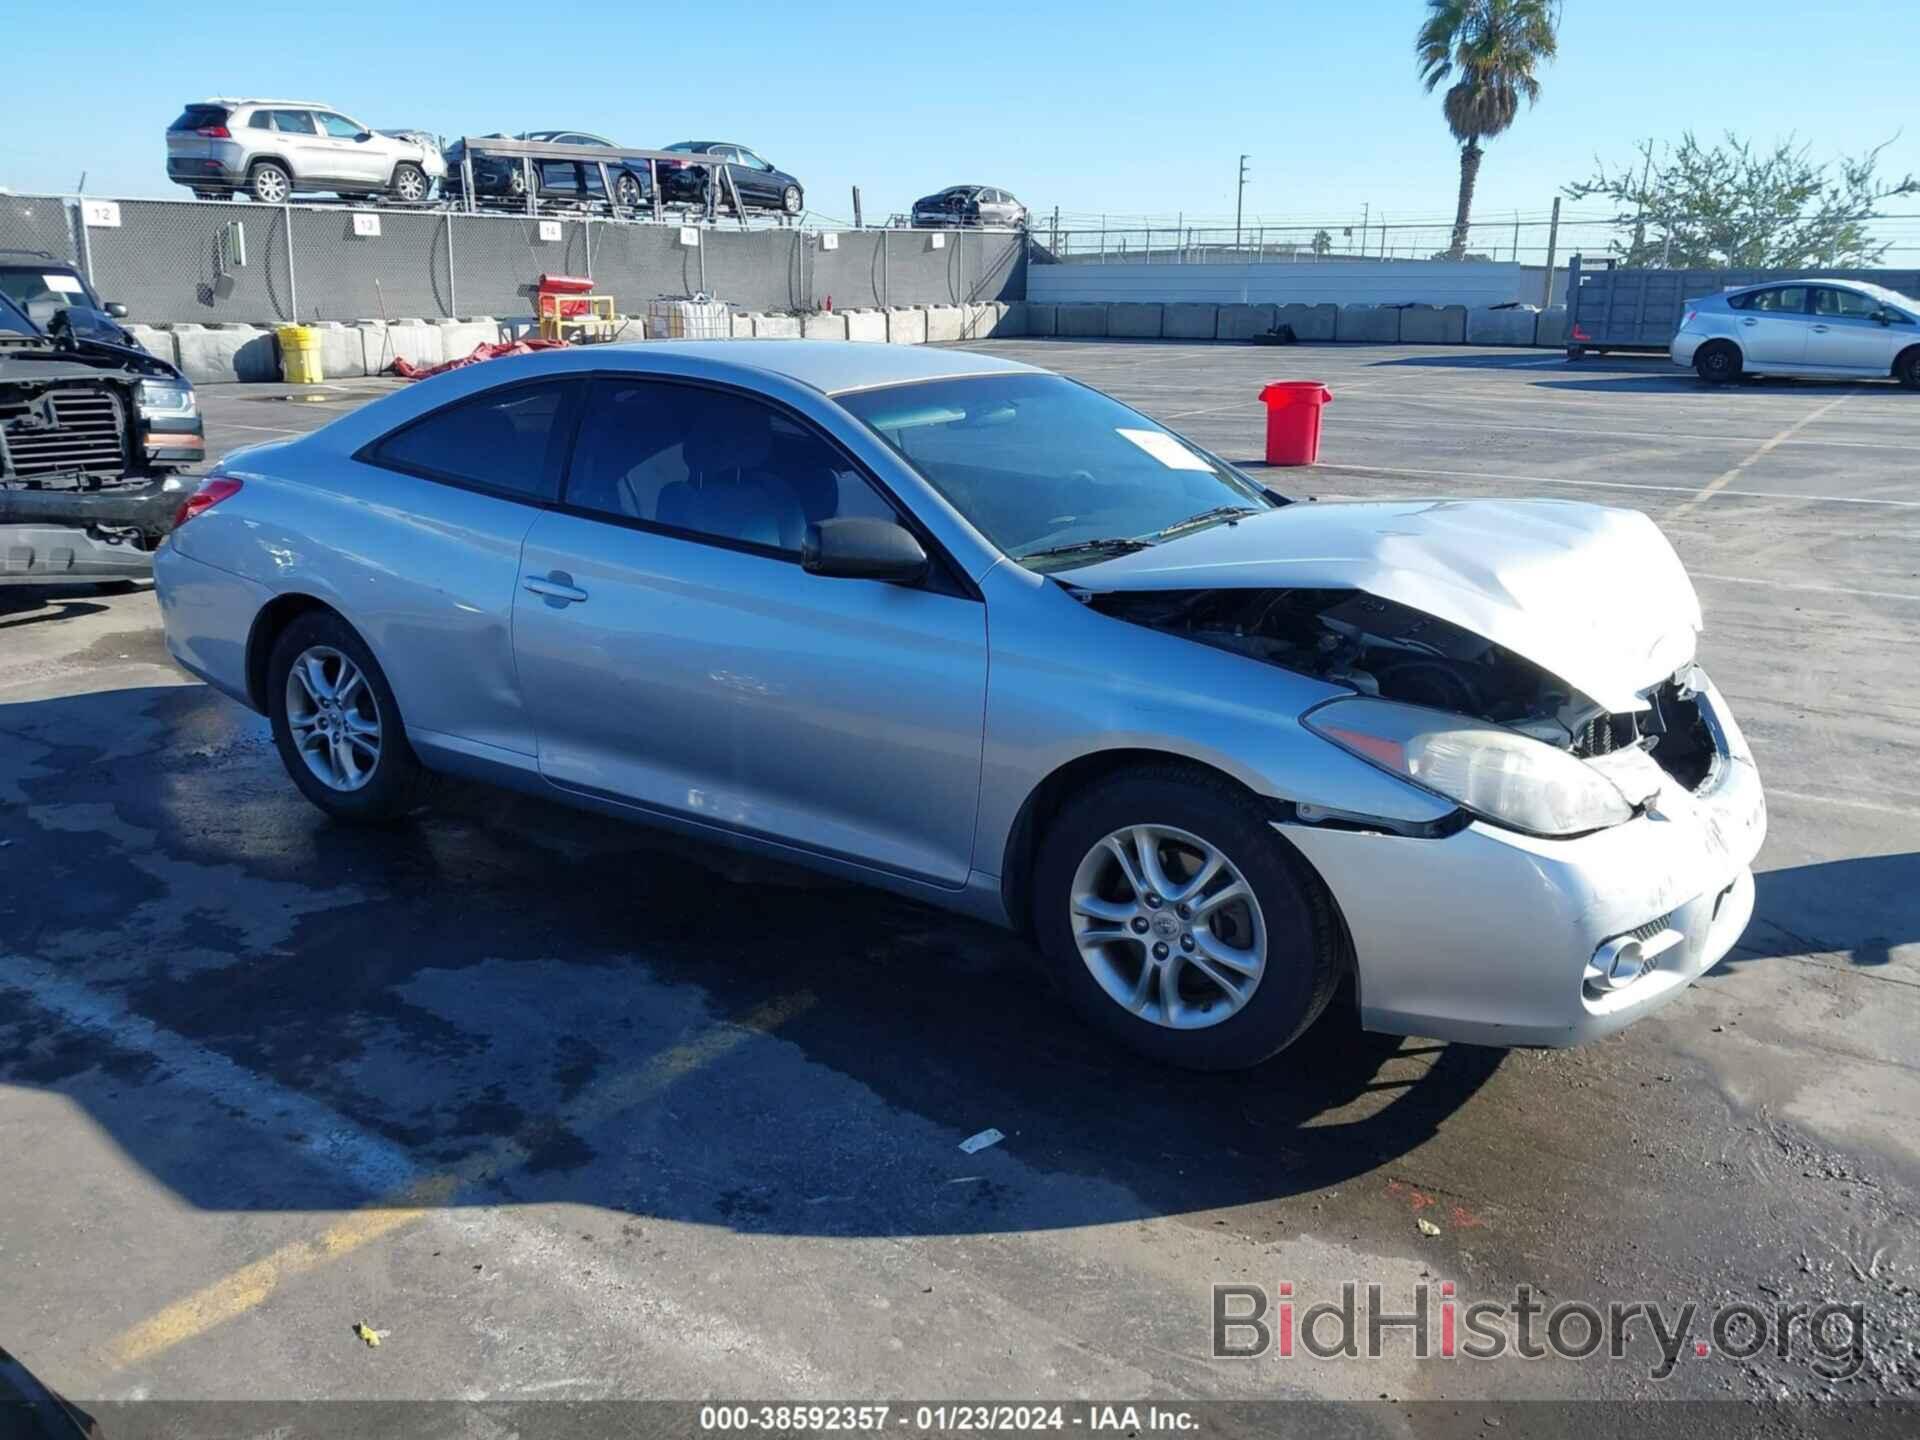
x=835, y=367
x=293, y=104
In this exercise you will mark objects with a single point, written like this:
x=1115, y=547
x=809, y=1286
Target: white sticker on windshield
x=68, y=284
x=1167, y=450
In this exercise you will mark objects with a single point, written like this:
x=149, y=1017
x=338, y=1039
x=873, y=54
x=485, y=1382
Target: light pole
x=1239, y=199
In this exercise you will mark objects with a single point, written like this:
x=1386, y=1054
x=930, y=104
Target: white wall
x=1419, y=282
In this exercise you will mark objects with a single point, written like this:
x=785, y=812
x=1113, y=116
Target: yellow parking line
x=249, y=1286
x=1727, y=477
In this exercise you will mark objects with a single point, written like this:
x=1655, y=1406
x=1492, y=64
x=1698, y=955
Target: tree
x=1322, y=242
x=1490, y=49
x=1691, y=207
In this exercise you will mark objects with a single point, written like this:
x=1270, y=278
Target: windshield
x=1050, y=471
x=43, y=291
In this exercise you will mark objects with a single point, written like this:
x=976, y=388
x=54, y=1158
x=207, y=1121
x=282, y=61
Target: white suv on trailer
x=272, y=148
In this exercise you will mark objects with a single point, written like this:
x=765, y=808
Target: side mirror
x=863, y=549
x=364, y=136
x=117, y=310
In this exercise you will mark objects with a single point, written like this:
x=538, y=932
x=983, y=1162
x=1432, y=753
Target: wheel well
x=274, y=617
x=1903, y=356
x=286, y=166
x=1046, y=801
x=1717, y=343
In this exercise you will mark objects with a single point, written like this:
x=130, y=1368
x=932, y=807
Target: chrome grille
x=88, y=433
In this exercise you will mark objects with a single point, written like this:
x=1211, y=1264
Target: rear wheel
x=1717, y=363
x=1907, y=368
x=1179, y=924
x=409, y=183
x=269, y=183
x=337, y=725
x=627, y=190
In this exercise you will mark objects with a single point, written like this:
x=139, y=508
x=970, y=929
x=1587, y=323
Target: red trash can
x=1293, y=420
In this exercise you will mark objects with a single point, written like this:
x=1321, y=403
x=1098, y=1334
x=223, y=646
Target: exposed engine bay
x=1380, y=647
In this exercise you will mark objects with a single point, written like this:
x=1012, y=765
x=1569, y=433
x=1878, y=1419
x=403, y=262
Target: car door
x=676, y=656
x=758, y=181
x=355, y=160
x=1773, y=327
x=1849, y=332
x=308, y=151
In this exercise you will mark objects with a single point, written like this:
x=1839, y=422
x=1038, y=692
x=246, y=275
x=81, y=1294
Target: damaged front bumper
x=1491, y=937
x=79, y=536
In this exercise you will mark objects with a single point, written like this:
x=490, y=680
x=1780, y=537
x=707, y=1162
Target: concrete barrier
x=827, y=325
x=1011, y=319
x=1433, y=325
x=1515, y=326
x=1318, y=323
x=343, y=354
x=906, y=325
x=1081, y=321
x=1134, y=320
x=776, y=327
x=156, y=341
x=945, y=322
x=225, y=353
x=867, y=325
x=1243, y=322
x=1368, y=324
x=414, y=341
x=1042, y=319
x=1550, y=327
x=459, y=338
x=740, y=325
x=976, y=319
x=1189, y=320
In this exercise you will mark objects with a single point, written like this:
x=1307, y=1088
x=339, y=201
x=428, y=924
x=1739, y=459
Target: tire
x=391, y=783
x=517, y=183
x=409, y=184
x=628, y=192
x=1119, y=986
x=269, y=183
x=790, y=200
x=1717, y=363
x=1906, y=369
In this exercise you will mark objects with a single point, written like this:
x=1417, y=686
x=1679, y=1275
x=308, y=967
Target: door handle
x=557, y=586
x=1821, y=329
x=1749, y=321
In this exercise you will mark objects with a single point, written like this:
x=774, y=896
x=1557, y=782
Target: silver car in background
x=969, y=205
x=972, y=632
x=1802, y=327
x=273, y=149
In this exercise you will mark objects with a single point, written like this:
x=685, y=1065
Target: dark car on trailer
x=976, y=205
x=94, y=431
x=762, y=185
x=503, y=177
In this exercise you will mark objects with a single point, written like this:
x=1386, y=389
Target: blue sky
x=1115, y=108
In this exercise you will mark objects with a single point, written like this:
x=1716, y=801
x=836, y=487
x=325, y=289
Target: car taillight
x=212, y=491
x=1689, y=320
x=214, y=132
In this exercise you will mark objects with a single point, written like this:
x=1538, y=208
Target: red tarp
x=407, y=370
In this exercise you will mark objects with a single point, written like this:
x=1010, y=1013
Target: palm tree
x=1493, y=48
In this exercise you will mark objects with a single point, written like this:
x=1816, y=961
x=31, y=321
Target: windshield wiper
x=1206, y=517
x=1110, y=544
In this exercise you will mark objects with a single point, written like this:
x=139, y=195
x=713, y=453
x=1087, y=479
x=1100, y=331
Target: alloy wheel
x=333, y=717
x=269, y=185
x=1168, y=926
x=409, y=184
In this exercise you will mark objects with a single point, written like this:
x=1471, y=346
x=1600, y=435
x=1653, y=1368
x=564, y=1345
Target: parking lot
x=570, y=1110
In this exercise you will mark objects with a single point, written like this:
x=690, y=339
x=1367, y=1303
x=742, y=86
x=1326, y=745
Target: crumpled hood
x=1591, y=594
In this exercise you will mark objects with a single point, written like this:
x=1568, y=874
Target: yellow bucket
x=300, y=355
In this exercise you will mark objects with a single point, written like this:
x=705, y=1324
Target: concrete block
x=1310, y=322
x=1433, y=325
x=1189, y=320
x=907, y=325
x=519, y=327
x=1081, y=321
x=155, y=341
x=945, y=322
x=414, y=341
x=827, y=325
x=343, y=355
x=867, y=325
x=459, y=338
x=776, y=327
x=1502, y=327
x=1550, y=327
x=1243, y=322
x=741, y=322
x=1134, y=320
x=1368, y=325
x=226, y=353
x=1010, y=318
x=1041, y=318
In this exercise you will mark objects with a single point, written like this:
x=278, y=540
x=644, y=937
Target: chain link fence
x=186, y=260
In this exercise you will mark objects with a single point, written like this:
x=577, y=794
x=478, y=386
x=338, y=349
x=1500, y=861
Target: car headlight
x=1499, y=774
x=168, y=399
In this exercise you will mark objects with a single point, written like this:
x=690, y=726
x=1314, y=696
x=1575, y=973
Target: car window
x=1788, y=299
x=294, y=122
x=1847, y=304
x=747, y=157
x=200, y=117
x=338, y=126
x=712, y=463
x=508, y=441
x=44, y=290
x=262, y=120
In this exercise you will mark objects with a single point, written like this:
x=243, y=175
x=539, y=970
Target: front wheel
x=1717, y=364
x=627, y=190
x=1179, y=924
x=409, y=183
x=337, y=725
x=790, y=199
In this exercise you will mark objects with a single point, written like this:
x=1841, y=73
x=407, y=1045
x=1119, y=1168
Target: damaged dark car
x=94, y=431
